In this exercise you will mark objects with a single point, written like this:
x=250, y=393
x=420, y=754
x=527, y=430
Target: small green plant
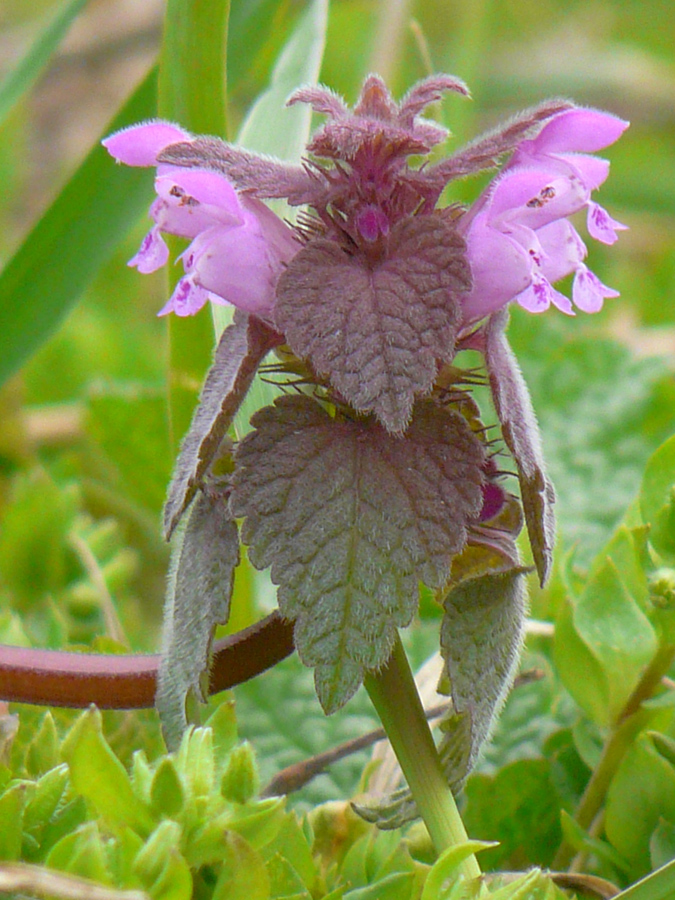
x=366, y=430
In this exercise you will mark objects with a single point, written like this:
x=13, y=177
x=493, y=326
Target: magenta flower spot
x=187, y=298
x=494, y=499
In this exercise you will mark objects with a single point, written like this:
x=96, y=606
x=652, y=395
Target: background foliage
x=86, y=452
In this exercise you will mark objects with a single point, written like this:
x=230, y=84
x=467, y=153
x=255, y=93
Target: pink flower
x=239, y=246
x=519, y=239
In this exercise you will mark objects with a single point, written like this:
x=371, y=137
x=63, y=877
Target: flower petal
x=233, y=263
x=152, y=254
x=207, y=188
x=187, y=298
x=588, y=292
x=591, y=170
x=601, y=225
x=580, y=130
x=139, y=145
x=178, y=211
x=541, y=294
x=562, y=249
x=500, y=269
x=536, y=196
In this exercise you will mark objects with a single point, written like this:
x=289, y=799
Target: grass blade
x=72, y=240
x=26, y=73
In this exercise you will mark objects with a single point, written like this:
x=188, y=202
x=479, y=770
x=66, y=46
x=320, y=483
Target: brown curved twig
x=59, y=678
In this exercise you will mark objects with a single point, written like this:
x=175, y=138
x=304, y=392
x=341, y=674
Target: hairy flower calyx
x=365, y=191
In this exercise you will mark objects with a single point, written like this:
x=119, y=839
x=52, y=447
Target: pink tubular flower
x=519, y=239
x=239, y=246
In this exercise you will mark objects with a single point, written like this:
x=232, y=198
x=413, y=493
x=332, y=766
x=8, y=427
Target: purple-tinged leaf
x=521, y=434
x=378, y=329
x=351, y=518
x=240, y=351
x=198, y=598
x=486, y=150
x=261, y=176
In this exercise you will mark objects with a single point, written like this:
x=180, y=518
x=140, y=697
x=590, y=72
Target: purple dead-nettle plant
x=377, y=474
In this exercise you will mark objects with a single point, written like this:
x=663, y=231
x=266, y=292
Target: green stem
x=398, y=705
x=631, y=720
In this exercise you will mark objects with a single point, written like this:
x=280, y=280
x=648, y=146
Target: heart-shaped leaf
x=378, y=329
x=351, y=518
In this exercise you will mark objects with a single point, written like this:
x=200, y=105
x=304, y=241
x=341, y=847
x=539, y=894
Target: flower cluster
x=239, y=246
x=519, y=239
x=377, y=286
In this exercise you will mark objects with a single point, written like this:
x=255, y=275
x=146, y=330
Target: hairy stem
x=398, y=705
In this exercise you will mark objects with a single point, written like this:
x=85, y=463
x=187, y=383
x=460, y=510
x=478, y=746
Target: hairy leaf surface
x=378, y=330
x=351, y=518
x=240, y=351
x=481, y=637
x=521, y=433
x=198, y=598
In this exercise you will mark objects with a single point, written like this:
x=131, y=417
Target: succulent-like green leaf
x=446, y=868
x=240, y=781
x=240, y=351
x=243, y=875
x=98, y=775
x=42, y=753
x=293, y=845
x=658, y=885
x=657, y=499
x=12, y=806
x=161, y=866
x=350, y=518
x=377, y=329
x=284, y=880
x=395, y=886
x=198, y=598
x=48, y=796
x=166, y=794
x=641, y=794
x=603, y=643
x=82, y=853
x=518, y=807
x=662, y=843
x=521, y=433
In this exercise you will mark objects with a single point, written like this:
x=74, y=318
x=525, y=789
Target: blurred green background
x=84, y=441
